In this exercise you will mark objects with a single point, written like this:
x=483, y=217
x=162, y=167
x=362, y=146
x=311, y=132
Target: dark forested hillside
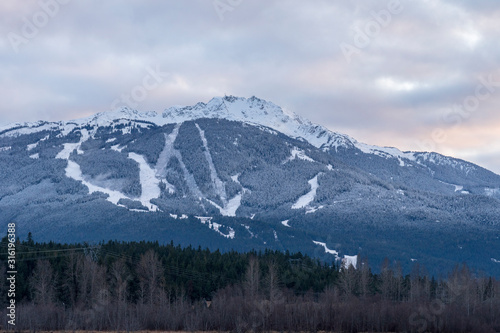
x=145, y=285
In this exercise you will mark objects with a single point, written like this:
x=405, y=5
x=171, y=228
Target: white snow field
x=307, y=198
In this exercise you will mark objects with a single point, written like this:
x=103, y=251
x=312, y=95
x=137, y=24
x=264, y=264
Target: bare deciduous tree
x=348, y=280
x=42, y=283
x=252, y=279
x=151, y=276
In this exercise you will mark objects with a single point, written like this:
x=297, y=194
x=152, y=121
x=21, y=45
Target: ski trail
x=149, y=183
x=69, y=147
x=307, y=198
x=229, y=206
x=169, y=152
x=150, y=188
x=218, y=184
x=166, y=154
x=73, y=171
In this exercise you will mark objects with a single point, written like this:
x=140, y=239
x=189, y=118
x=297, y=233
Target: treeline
x=145, y=285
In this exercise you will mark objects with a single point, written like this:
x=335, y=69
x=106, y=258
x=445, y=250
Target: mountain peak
x=251, y=110
x=125, y=112
x=228, y=107
x=258, y=111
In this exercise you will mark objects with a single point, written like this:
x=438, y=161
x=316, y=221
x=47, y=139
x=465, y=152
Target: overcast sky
x=415, y=74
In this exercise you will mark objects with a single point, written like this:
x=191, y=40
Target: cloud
x=428, y=57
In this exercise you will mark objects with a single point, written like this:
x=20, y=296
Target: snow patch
x=216, y=227
x=491, y=192
x=70, y=147
x=31, y=146
x=285, y=223
x=495, y=261
x=387, y=152
x=349, y=261
x=117, y=148
x=267, y=130
x=235, y=178
x=439, y=159
x=73, y=171
x=230, y=207
x=137, y=210
x=311, y=210
x=110, y=140
x=177, y=217
x=297, y=153
x=307, y=198
x=150, y=188
x=35, y=156
x=17, y=129
x=252, y=235
x=34, y=145
x=327, y=250
x=458, y=188
x=5, y=148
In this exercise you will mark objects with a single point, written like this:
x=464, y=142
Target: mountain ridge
x=271, y=116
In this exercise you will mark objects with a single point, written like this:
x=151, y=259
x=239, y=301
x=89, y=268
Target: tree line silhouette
x=144, y=285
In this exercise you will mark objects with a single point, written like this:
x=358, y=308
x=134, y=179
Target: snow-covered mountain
x=242, y=173
x=253, y=111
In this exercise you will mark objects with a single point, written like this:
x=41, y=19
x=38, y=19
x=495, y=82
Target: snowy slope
x=252, y=110
x=260, y=112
